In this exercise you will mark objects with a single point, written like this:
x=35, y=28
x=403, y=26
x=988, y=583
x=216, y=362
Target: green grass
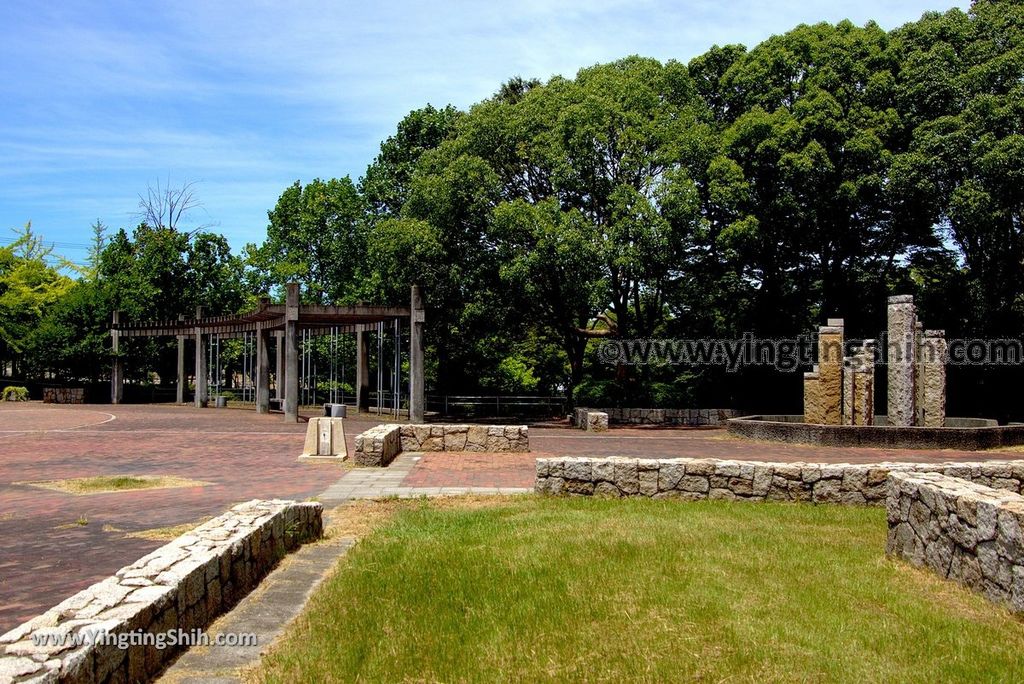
x=544, y=589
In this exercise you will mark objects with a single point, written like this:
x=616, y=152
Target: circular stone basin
x=966, y=434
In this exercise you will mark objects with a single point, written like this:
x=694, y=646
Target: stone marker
x=325, y=440
x=597, y=421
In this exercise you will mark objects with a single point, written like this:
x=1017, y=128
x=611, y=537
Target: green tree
x=316, y=236
x=385, y=187
x=29, y=285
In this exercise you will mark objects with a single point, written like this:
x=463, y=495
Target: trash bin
x=334, y=410
x=222, y=402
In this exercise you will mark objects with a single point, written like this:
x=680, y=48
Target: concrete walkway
x=374, y=483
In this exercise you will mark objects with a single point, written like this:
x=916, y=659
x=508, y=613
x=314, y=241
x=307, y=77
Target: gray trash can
x=334, y=410
x=222, y=402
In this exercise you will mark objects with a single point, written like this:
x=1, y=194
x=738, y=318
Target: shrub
x=597, y=393
x=13, y=393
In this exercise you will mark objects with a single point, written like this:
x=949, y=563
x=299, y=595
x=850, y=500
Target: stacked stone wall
x=183, y=585
x=63, y=395
x=379, y=445
x=645, y=416
x=696, y=479
x=963, y=531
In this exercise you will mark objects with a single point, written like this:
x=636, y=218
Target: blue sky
x=101, y=99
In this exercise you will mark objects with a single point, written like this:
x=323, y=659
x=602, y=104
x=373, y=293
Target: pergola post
x=181, y=365
x=117, y=367
x=362, y=371
x=417, y=318
x=200, y=381
x=279, y=369
x=262, y=371
x=291, y=334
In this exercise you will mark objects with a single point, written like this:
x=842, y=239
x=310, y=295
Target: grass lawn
x=589, y=589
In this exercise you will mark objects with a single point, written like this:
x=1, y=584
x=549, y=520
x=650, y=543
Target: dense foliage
x=751, y=191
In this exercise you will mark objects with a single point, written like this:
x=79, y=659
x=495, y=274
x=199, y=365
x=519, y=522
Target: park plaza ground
x=56, y=543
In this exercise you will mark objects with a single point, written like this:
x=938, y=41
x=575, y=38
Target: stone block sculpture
x=841, y=389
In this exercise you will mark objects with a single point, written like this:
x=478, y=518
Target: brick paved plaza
x=46, y=554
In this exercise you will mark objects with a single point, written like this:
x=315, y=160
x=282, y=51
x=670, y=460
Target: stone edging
x=183, y=586
x=962, y=531
x=379, y=445
x=706, y=478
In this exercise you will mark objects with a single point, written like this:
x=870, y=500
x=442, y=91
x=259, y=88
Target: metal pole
x=291, y=393
x=117, y=369
x=395, y=384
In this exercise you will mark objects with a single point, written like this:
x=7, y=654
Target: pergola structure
x=285, y=322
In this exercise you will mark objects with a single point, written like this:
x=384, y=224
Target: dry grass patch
x=105, y=484
x=166, y=533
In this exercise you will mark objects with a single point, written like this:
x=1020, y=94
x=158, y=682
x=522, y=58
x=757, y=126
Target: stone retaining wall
x=963, y=531
x=694, y=479
x=63, y=395
x=379, y=445
x=639, y=416
x=183, y=585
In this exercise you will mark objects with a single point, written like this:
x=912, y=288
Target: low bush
x=14, y=393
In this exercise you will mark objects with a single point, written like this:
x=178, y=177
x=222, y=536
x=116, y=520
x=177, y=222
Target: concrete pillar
x=812, y=398
x=262, y=371
x=362, y=371
x=830, y=371
x=900, y=368
x=117, y=366
x=279, y=369
x=416, y=380
x=291, y=354
x=180, y=397
x=200, y=381
x=932, y=365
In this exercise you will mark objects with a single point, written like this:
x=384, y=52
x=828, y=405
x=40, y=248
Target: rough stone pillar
x=201, y=395
x=933, y=378
x=849, y=368
x=180, y=396
x=262, y=371
x=416, y=380
x=291, y=353
x=900, y=369
x=864, y=385
x=117, y=366
x=812, y=398
x=362, y=371
x=918, y=380
x=830, y=371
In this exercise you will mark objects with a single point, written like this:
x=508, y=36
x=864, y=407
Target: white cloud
x=105, y=97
